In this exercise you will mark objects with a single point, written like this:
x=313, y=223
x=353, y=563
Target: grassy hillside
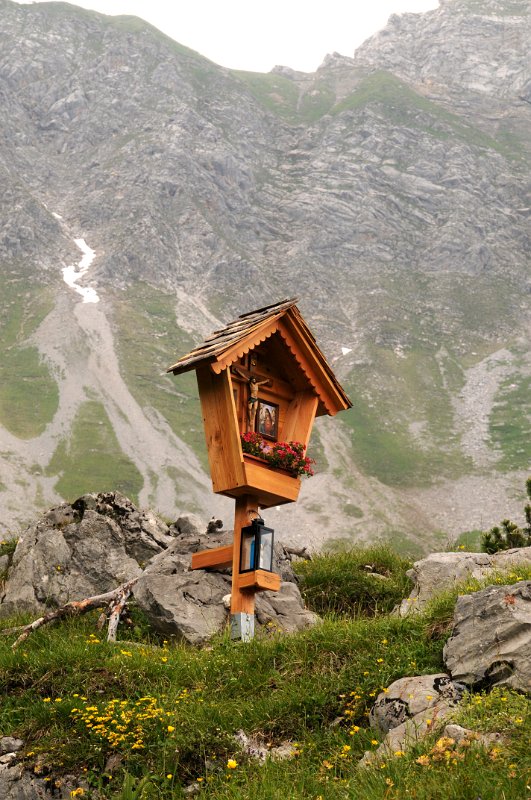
x=148, y=340
x=28, y=392
x=91, y=459
x=404, y=426
x=167, y=713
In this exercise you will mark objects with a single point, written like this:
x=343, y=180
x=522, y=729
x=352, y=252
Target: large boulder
x=407, y=697
x=79, y=550
x=491, y=641
x=190, y=604
x=410, y=709
x=440, y=571
x=101, y=541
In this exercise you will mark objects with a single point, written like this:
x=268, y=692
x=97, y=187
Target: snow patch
x=72, y=275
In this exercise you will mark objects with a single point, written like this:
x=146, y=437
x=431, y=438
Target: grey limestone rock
x=188, y=525
x=8, y=744
x=190, y=604
x=102, y=540
x=405, y=735
x=79, y=550
x=18, y=784
x=284, y=609
x=440, y=571
x=410, y=709
x=460, y=734
x=408, y=697
x=491, y=641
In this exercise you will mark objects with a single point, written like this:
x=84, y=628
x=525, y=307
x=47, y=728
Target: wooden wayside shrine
x=264, y=375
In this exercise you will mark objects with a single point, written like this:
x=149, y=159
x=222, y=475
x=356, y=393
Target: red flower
x=284, y=455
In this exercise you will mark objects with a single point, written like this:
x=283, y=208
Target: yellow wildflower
x=232, y=764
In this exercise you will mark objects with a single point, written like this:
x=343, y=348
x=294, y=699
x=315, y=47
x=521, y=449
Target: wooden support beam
x=259, y=579
x=241, y=601
x=220, y=557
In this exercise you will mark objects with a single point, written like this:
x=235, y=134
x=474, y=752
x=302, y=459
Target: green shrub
x=362, y=581
x=8, y=546
x=510, y=534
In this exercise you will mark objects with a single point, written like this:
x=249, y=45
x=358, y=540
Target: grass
x=29, y=395
x=148, y=338
x=170, y=712
x=469, y=541
x=91, y=460
x=402, y=425
x=275, y=92
x=403, y=106
x=343, y=583
x=510, y=423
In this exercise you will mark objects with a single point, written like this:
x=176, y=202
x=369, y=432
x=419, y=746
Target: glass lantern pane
x=265, y=560
x=247, y=551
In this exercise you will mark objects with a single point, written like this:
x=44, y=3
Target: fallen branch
x=302, y=553
x=114, y=600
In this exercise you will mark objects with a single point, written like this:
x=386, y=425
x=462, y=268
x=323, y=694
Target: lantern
x=256, y=550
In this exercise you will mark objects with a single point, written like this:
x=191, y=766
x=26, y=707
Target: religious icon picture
x=268, y=420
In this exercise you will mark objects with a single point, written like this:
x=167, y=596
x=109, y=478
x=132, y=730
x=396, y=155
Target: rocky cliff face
x=389, y=191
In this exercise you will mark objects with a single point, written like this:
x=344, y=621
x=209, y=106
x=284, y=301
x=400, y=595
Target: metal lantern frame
x=256, y=542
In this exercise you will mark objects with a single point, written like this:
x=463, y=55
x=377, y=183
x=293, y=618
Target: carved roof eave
x=286, y=320
x=221, y=342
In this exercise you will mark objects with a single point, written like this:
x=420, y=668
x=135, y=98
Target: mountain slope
x=389, y=191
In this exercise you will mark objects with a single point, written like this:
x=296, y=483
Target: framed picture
x=267, y=421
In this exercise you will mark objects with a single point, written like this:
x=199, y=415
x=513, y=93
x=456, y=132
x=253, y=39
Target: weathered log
x=301, y=553
x=115, y=600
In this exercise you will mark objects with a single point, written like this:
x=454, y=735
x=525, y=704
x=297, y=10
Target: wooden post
x=242, y=602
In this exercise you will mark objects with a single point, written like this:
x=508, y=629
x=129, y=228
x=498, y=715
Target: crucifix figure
x=252, y=402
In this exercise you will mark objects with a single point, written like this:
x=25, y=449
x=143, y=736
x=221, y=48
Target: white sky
x=258, y=34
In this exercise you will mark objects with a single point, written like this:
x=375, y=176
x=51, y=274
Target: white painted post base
x=242, y=626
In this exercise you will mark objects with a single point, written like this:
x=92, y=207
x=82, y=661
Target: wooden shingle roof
x=225, y=346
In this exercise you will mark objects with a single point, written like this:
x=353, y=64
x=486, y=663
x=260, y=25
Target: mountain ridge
x=397, y=209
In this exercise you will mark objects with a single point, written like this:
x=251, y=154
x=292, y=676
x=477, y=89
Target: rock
x=405, y=735
x=253, y=748
x=188, y=605
x=145, y=534
x=407, y=697
x=440, y=571
x=79, y=550
x=100, y=541
x=284, y=610
x=410, y=709
x=192, y=605
x=491, y=641
x=188, y=525
x=17, y=784
x=10, y=745
x=460, y=734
